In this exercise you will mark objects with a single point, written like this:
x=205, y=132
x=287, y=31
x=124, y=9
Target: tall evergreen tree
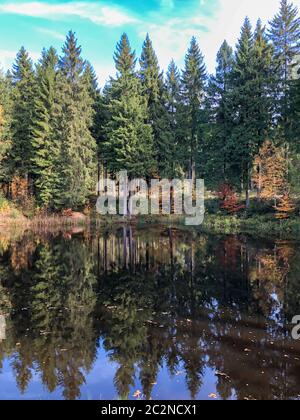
x=285, y=36
x=262, y=84
x=129, y=138
x=216, y=152
x=23, y=79
x=193, y=94
x=174, y=108
x=77, y=164
x=155, y=94
x=45, y=143
x=243, y=136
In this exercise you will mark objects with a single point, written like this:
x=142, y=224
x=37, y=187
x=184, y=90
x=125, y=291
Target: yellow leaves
x=270, y=170
x=137, y=394
x=285, y=207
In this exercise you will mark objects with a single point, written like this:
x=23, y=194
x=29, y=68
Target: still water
x=158, y=314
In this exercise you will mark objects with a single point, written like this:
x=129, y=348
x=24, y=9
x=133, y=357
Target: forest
x=238, y=129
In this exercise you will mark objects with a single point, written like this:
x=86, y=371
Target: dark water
x=171, y=315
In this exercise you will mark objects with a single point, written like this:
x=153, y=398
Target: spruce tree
x=45, y=143
x=174, y=108
x=77, y=162
x=217, y=150
x=262, y=85
x=243, y=134
x=24, y=90
x=193, y=94
x=284, y=34
x=129, y=138
x=155, y=94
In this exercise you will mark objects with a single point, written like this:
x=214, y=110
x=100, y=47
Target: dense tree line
x=58, y=131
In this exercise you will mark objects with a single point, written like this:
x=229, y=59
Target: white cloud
x=53, y=34
x=171, y=37
x=100, y=15
x=8, y=57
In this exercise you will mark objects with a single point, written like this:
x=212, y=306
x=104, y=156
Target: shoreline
x=261, y=226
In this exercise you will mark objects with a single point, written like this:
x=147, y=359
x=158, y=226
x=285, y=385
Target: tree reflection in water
x=188, y=301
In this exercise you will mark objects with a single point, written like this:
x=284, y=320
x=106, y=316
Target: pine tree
x=285, y=36
x=44, y=142
x=262, y=84
x=5, y=126
x=77, y=163
x=24, y=90
x=174, y=107
x=155, y=94
x=250, y=100
x=193, y=94
x=216, y=151
x=129, y=138
x=243, y=134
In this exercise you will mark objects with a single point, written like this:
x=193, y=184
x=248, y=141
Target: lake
x=148, y=313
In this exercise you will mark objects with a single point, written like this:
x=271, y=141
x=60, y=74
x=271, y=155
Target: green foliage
x=193, y=85
x=24, y=92
x=56, y=124
x=77, y=156
x=129, y=138
x=284, y=34
x=45, y=143
x=155, y=94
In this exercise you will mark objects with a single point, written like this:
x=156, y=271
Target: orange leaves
x=19, y=188
x=270, y=170
x=229, y=199
x=285, y=207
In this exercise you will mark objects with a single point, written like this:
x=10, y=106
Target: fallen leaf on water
x=179, y=373
x=222, y=375
x=137, y=394
x=213, y=396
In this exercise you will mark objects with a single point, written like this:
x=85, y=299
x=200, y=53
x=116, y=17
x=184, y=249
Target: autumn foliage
x=19, y=188
x=270, y=172
x=229, y=199
x=285, y=207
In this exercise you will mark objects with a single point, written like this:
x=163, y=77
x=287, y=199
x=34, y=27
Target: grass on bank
x=259, y=219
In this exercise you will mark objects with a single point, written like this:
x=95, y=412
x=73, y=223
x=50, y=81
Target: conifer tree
x=155, y=94
x=129, y=138
x=250, y=99
x=174, y=108
x=285, y=36
x=45, y=143
x=243, y=138
x=193, y=93
x=24, y=90
x=77, y=163
x=217, y=151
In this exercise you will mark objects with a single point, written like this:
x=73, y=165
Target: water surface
x=158, y=314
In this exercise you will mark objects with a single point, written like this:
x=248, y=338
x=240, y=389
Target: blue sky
x=99, y=24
